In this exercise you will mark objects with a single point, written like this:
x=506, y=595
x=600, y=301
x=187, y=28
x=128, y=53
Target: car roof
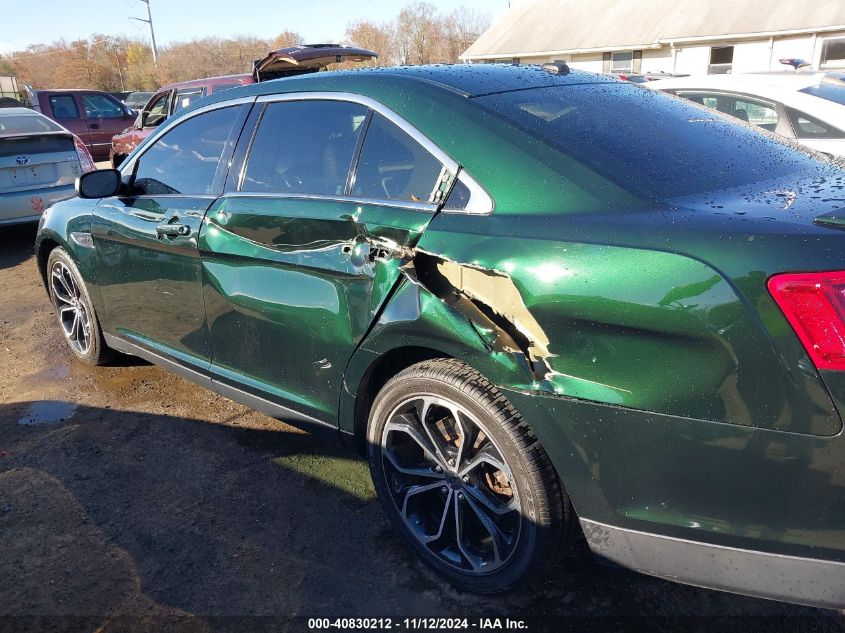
x=19, y=111
x=784, y=80
x=469, y=80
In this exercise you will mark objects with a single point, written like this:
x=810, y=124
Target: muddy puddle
x=47, y=412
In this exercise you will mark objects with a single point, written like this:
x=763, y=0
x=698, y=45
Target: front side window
x=833, y=53
x=157, y=111
x=721, y=60
x=101, y=107
x=64, y=107
x=304, y=147
x=185, y=159
x=808, y=127
x=185, y=97
x=393, y=166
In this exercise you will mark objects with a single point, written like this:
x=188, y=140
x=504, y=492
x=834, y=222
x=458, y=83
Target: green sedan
x=543, y=303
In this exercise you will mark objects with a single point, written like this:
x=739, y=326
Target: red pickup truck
x=92, y=115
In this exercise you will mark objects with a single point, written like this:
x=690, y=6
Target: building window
x=833, y=53
x=622, y=62
x=721, y=60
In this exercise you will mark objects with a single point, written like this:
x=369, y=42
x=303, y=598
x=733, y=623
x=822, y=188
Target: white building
x=682, y=36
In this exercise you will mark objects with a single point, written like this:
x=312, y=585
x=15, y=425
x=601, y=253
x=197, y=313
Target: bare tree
x=379, y=38
x=460, y=29
x=416, y=32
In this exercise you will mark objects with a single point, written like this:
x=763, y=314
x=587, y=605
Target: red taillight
x=814, y=305
x=86, y=161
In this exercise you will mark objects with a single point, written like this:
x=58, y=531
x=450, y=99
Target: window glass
x=304, y=147
x=185, y=159
x=393, y=166
x=831, y=92
x=458, y=197
x=833, y=52
x=721, y=60
x=64, y=107
x=100, y=106
x=26, y=124
x=758, y=113
x=622, y=62
x=185, y=97
x=806, y=126
x=681, y=148
x=157, y=112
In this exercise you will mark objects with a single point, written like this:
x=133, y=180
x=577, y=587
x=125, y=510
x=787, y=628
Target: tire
x=500, y=480
x=74, y=310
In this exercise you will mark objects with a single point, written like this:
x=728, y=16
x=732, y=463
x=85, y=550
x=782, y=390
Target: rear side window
x=393, y=166
x=806, y=126
x=831, y=92
x=650, y=143
x=185, y=159
x=185, y=97
x=101, y=107
x=304, y=147
x=64, y=107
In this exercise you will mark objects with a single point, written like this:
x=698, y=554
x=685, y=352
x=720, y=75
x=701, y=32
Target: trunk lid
x=306, y=58
x=37, y=161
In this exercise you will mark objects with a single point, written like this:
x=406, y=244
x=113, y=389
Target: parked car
x=641, y=78
x=808, y=107
x=137, y=100
x=39, y=162
x=285, y=62
x=527, y=322
x=92, y=115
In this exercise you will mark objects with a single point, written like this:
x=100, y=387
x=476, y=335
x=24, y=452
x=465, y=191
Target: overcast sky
x=40, y=21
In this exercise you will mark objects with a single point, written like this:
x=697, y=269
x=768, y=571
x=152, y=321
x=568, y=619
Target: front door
x=104, y=118
x=297, y=263
x=146, y=241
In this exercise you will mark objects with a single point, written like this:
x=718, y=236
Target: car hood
x=305, y=58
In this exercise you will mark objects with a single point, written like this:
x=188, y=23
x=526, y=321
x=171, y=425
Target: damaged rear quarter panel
x=642, y=329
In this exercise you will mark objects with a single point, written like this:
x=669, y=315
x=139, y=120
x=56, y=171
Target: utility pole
x=149, y=21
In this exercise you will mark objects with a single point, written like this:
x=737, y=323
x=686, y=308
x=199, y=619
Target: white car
x=39, y=163
x=808, y=107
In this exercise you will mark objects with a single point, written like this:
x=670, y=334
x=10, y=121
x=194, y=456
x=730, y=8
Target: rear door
x=146, y=240
x=64, y=108
x=301, y=251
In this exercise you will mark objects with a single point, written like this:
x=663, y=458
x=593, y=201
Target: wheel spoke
x=498, y=508
x=499, y=537
x=405, y=425
x=422, y=407
x=417, y=471
x=487, y=455
x=411, y=491
x=472, y=559
x=443, y=518
x=60, y=289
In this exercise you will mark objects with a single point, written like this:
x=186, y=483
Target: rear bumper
x=810, y=581
x=27, y=206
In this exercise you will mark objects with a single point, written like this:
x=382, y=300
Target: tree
x=416, y=32
x=460, y=29
x=286, y=39
x=379, y=38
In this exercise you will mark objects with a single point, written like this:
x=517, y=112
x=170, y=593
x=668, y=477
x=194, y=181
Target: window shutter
x=605, y=62
x=638, y=62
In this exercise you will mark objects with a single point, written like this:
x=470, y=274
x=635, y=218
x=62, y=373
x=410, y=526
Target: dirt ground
x=132, y=500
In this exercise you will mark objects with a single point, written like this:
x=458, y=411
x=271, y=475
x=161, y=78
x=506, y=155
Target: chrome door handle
x=173, y=230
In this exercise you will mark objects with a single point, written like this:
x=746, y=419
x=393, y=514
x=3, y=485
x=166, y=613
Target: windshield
x=830, y=92
x=26, y=124
x=649, y=142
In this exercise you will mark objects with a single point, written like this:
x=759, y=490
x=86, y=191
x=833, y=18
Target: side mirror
x=98, y=184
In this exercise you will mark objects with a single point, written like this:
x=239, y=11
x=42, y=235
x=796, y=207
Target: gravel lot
x=127, y=491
